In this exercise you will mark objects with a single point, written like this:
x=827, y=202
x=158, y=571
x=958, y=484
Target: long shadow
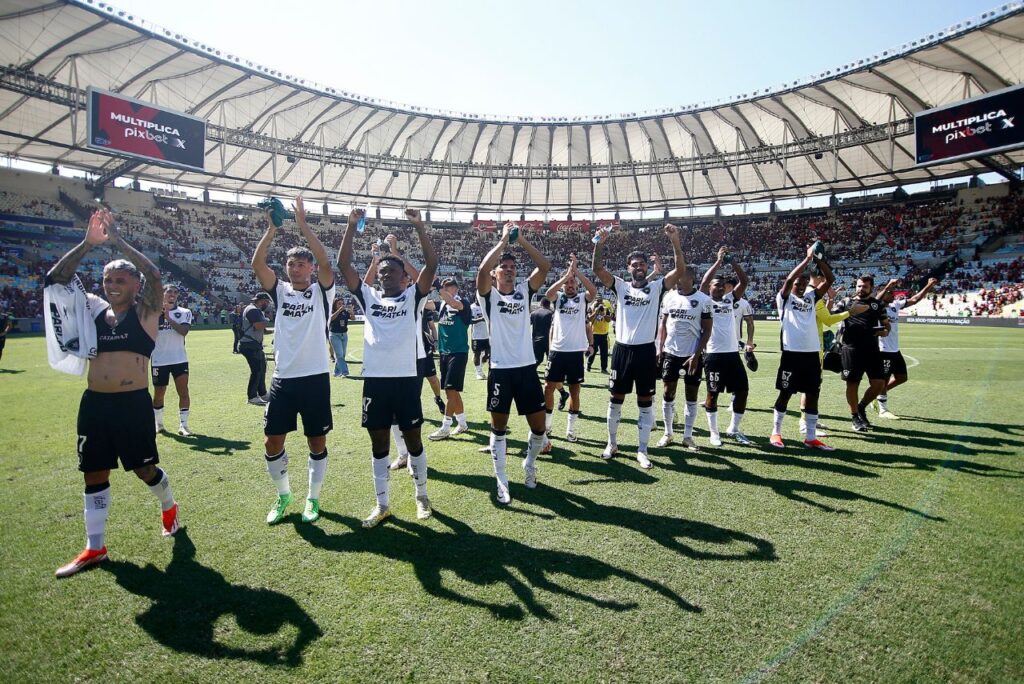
x=669, y=532
x=189, y=598
x=930, y=441
x=482, y=560
x=208, y=444
x=12, y=371
x=874, y=459
x=774, y=457
x=724, y=470
x=1008, y=428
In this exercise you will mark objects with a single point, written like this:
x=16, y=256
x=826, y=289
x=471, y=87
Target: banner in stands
x=489, y=226
x=485, y=226
x=570, y=225
x=601, y=223
x=132, y=128
x=976, y=127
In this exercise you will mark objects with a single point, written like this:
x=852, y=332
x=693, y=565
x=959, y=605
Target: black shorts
x=565, y=367
x=860, y=361
x=425, y=367
x=482, y=346
x=308, y=396
x=519, y=384
x=725, y=373
x=540, y=348
x=116, y=425
x=633, y=363
x=672, y=369
x=799, y=372
x=453, y=370
x=3, y=342
x=162, y=374
x=893, y=363
x=387, y=401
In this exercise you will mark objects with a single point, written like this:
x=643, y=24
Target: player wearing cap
x=453, y=321
x=894, y=366
x=861, y=354
x=391, y=386
x=513, y=372
x=301, y=385
x=800, y=365
x=634, y=359
x=571, y=340
x=170, y=359
x=723, y=368
x=253, y=327
x=115, y=420
x=685, y=331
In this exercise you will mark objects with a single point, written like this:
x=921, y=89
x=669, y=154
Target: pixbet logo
x=972, y=131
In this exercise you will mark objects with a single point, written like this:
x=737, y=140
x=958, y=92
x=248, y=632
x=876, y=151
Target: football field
x=897, y=558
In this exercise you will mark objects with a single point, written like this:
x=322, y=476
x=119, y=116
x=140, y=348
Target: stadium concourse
x=972, y=238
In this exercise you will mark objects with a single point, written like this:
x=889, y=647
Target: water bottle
x=361, y=222
x=818, y=250
x=599, y=232
x=513, y=235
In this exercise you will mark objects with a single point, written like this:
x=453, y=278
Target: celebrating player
x=301, y=383
x=115, y=420
x=800, y=365
x=171, y=360
x=571, y=339
x=481, y=340
x=634, y=359
x=723, y=368
x=513, y=375
x=685, y=331
x=453, y=322
x=893, y=364
x=391, y=386
x=861, y=353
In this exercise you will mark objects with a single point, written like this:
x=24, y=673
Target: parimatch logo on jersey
x=511, y=308
x=387, y=311
x=630, y=300
x=683, y=314
x=290, y=310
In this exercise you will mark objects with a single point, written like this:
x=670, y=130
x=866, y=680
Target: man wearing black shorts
x=571, y=340
x=170, y=360
x=685, y=331
x=800, y=365
x=893, y=364
x=301, y=384
x=860, y=352
x=513, y=372
x=540, y=324
x=635, y=359
x=391, y=386
x=723, y=368
x=453, y=321
x=115, y=419
x=481, y=343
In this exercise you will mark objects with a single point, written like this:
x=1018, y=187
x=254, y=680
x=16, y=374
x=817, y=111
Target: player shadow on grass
x=874, y=459
x=1008, y=428
x=481, y=559
x=189, y=600
x=208, y=444
x=724, y=470
x=12, y=371
x=969, y=445
x=668, y=531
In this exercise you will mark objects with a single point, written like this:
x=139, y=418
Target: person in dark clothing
x=860, y=352
x=540, y=322
x=250, y=345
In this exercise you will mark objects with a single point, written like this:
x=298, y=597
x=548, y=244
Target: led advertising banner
x=128, y=127
x=973, y=128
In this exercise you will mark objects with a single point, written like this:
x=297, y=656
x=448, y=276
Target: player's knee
x=317, y=444
x=899, y=379
x=145, y=473
x=618, y=399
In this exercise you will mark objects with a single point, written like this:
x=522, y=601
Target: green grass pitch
x=896, y=558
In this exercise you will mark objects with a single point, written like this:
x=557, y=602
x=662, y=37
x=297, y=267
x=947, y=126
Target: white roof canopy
x=847, y=129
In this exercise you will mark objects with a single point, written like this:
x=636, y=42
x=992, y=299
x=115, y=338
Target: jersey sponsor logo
x=682, y=314
x=387, y=311
x=289, y=310
x=511, y=308
x=721, y=307
x=631, y=300
x=801, y=305
x=567, y=310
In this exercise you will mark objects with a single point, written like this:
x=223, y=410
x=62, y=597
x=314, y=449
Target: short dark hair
x=691, y=271
x=733, y=280
x=719, y=277
x=507, y=256
x=392, y=257
x=300, y=253
x=546, y=303
x=868, y=279
x=636, y=254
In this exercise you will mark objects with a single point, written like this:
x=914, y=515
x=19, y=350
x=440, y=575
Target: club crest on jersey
x=874, y=306
x=693, y=303
x=307, y=294
x=517, y=296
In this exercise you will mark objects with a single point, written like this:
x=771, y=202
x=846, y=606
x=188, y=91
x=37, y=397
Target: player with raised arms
x=171, y=360
x=513, y=370
x=894, y=366
x=391, y=386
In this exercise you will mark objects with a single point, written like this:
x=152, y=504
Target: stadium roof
x=846, y=129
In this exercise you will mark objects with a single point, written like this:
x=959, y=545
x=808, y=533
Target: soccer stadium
x=391, y=278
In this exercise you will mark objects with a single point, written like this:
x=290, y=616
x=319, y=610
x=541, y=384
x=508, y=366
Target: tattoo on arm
x=64, y=270
x=153, y=292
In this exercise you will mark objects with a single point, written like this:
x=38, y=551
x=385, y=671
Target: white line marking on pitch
x=915, y=361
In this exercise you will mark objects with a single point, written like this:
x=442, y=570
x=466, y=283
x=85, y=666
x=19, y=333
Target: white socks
x=668, y=414
x=777, y=424
x=812, y=426
x=418, y=470
x=399, y=441
x=162, y=491
x=614, y=415
x=549, y=417
x=498, y=451
x=97, y=507
x=446, y=423
x=644, y=425
x=317, y=470
x=689, y=416
x=571, y=425
x=882, y=400
x=460, y=418
x=183, y=418
x=713, y=422
x=533, y=448
x=734, y=424
x=158, y=415
x=381, y=475
x=277, y=466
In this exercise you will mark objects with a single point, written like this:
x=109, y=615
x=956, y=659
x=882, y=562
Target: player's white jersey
x=684, y=313
x=636, y=311
x=569, y=327
x=741, y=309
x=723, y=326
x=300, y=330
x=170, y=344
x=799, y=322
x=480, y=324
x=390, y=332
x=891, y=342
x=508, y=318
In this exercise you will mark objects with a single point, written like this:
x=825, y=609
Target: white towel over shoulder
x=70, y=314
